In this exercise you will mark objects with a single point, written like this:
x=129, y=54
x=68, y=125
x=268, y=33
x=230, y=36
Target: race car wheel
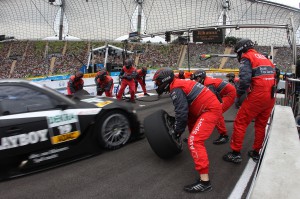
x=114, y=130
x=159, y=131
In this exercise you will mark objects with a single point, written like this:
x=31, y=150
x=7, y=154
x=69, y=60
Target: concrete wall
x=279, y=172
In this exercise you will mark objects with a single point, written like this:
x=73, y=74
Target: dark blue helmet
x=163, y=78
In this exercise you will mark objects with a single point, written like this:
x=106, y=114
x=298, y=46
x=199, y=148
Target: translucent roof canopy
x=262, y=21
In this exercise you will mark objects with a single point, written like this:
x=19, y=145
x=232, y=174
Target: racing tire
x=113, y=130
x=159, y=131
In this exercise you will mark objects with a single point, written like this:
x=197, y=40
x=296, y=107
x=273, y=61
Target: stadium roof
x=262, y=21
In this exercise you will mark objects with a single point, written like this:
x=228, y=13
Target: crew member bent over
x=195, y=106
x=141, y=79
x=226, y=94
x=75, y=83
x=104, y=83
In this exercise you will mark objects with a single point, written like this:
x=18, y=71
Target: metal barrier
x=292, y=94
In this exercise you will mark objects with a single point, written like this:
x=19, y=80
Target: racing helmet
x=128, y=63
x=243, y=46
x=181, y=74
x=163, y=78
x=230, y=77
x=78, y=74
x=144, y=69
x=102, y=74
x=199, y=76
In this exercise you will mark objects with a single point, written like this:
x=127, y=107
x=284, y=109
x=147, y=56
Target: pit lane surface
x=134, y=171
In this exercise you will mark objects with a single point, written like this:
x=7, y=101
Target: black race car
x=42, y=128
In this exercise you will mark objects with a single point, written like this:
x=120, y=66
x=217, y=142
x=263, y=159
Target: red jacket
x=190, y=99
x=220, y=86
x=74, y=85
x=105, y=84
x=128, y=74
x=140, y=74
x=263, y=71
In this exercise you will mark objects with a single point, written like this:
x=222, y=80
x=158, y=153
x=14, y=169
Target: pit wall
x=60, y=82
x=278, y=175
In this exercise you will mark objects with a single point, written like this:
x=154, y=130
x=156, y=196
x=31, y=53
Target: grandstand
x=33, y=23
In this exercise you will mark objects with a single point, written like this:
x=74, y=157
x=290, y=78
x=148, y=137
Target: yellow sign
x=65, y=137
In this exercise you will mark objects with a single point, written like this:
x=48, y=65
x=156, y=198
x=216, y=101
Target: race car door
x=23, y=127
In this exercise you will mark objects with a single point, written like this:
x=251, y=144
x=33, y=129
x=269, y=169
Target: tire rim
x=170, y=126
x=115, y=130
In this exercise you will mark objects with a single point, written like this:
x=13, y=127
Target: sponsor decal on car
x=23, y=139
x=63, y=127
x=97, y=101
x=46, y=155
x=102, y=104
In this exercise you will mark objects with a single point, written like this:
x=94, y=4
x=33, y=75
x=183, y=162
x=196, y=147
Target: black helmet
x=230, y=75
x=144, y=69
x=181, y=74
x=128, y=63
x=243, y=46
x=201, y=74
x=102, y=74
x=79, y=74
x=162, y=78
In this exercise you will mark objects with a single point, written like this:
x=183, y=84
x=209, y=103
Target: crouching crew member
x=75, y=83
x=104, y=83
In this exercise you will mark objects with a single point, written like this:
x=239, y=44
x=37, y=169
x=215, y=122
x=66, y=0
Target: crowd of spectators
x=283, y=58
x=160, y=55
x=196, y=50
x=43, y=58
x=31, y=62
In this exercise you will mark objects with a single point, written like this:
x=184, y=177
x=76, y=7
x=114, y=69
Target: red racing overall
x=105, y=85
x=199, y=108
x=140, y=78
x=259, y=102
x=128, y=76
x=74, y=85
x=228, y=93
